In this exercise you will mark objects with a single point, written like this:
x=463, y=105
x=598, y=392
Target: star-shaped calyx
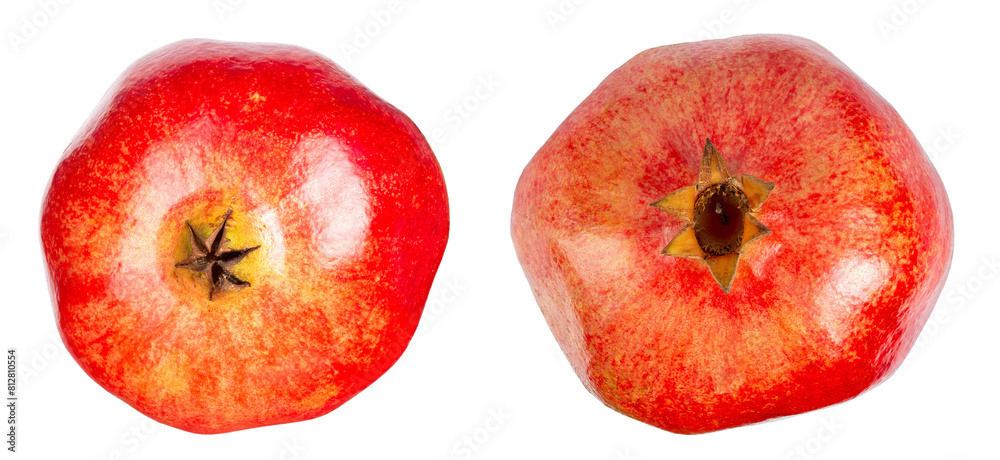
x=211, y=257
x=720, y=212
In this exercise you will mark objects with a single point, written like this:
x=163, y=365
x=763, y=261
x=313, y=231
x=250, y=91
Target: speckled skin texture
x=822, y=309
x=339, y=189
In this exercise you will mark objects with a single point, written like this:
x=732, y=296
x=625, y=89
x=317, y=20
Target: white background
x=484, y=351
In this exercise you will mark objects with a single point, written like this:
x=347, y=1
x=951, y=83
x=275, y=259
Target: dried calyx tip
x=211, y=257
x=719, y=211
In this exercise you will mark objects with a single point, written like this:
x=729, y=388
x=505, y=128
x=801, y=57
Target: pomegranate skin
x=821, y=309
x=338, y=189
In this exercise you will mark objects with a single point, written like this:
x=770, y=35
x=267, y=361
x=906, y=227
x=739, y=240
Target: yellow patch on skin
x=255, y=101
x=318, y=398
x=171, y=374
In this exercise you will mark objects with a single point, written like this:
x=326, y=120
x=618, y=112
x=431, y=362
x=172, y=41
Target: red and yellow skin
x=339, y=190
x=820, y=309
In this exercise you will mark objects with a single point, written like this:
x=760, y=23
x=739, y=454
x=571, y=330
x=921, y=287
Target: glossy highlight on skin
x=821, y=309
x=337, y=189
